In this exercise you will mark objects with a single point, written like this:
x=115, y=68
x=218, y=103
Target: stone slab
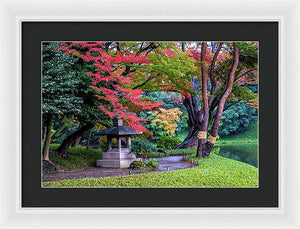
x=122, y=163
x=110, y=155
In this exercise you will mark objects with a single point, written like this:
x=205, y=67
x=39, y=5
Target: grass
x=248, y=136
x=76, y=158
x=214, y=171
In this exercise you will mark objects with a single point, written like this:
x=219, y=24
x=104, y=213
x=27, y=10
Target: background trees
x=59, y=86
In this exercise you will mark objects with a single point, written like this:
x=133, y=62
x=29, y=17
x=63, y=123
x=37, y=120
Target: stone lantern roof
x=118, y=129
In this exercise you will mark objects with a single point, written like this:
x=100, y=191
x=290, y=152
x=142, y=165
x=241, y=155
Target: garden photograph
x=150, y=114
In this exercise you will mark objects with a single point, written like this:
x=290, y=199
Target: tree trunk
x=190, y=141
x=217, y=119
x=65, y=145
x=48, y=139
x=76, y=142
x=88, y=140
x=205, y=109
x=44, y=134
x=58, y=132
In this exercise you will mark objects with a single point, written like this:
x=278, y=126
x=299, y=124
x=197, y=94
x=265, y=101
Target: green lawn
x=76, y=158
x=248, y=136
x=214, y=171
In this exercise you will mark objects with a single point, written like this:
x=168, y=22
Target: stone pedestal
x=117, y=158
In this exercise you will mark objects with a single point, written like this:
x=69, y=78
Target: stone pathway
x=165, y=164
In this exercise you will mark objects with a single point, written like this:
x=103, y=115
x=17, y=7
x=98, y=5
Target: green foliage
x=59, y=82
x=152, y=163
x=167, y=142
x=175, y=69
x=137, y=165
x=140, y=147
x=248, y=48
x=242, y=92
x=246, y=136
x=90, y=111
x=236, y=119
x=208, y=173
x=76, y=158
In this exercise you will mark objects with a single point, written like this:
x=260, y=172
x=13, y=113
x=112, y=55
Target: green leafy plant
x=140, y=147
x=167, y=142
x=152, y=163
x=137, y=165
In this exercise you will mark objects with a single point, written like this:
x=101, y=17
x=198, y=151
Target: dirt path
x=165, y=164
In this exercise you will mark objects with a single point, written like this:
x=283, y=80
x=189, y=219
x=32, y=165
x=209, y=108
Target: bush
x=167, y=142
x=76, y=158
x=137, y=165
x=236, y=119
x=152, y=163
x=140, y=147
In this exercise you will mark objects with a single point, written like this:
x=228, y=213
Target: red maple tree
x=116, y=94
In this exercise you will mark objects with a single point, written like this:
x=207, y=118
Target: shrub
x=167, y=142
x=152, y=163
x=137, y=165
x=236, y=119
x=140, y=147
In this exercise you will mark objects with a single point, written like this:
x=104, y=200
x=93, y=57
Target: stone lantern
x=117, y=157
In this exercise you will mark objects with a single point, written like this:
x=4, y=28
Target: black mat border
x=264, y=196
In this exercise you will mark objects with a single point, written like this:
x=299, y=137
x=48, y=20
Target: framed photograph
x=125, y=87
x=150, y=116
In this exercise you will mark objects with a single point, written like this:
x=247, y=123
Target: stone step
x=111, y=155
x=116, y=150
x=123, y=163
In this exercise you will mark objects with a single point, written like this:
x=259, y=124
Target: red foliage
x=169, y=52
x=110, y=69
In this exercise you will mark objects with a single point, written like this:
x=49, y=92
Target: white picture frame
x=13, y=12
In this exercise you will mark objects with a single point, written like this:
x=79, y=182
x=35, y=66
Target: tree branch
x=242, y=75
x=142, y=84
x=212, y=73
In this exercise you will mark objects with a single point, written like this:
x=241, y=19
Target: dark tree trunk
x=191, y=104
x=76, y=142
x=65, y=145
x=48, y=139
x=88, y=140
